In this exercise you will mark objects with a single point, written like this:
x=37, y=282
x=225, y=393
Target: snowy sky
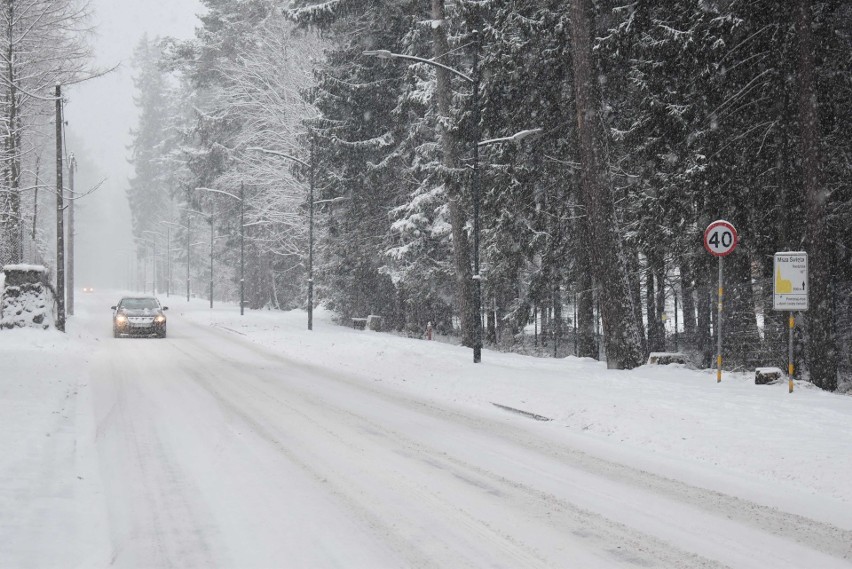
x=100, y=114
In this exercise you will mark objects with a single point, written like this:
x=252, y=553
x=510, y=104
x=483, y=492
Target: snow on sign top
x=720, y=238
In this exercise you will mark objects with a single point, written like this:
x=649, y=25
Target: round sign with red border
x=720, y=238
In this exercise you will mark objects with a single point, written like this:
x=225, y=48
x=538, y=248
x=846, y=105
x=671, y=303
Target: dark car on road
x=139, y=316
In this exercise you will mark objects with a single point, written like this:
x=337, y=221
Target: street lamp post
x=131, y=253
x=311, y=241
x=211, y=261
x=473, y=80
x=209, y=217
x=60, y=217
x=312, y=172
x=168, y=260
x=242, y=250
x=188, y=231
x=185, y=227
x=145, y=271
x=153, y=243
x=72, y=167
x=241, y=199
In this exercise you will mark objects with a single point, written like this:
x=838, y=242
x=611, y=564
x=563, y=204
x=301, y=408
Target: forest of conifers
x=656, y=118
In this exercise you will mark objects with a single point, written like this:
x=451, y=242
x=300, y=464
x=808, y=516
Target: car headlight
x=121, y=319
x=159, y=319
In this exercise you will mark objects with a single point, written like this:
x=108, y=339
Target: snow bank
x=681, y=417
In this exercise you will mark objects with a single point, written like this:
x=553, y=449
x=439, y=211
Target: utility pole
x=477, y=278
x=72, y=166
x=154, y=268
x=243, y=249
x=211, y=261
x=188, y=225
x=60, y=226
x=311, y=235
x=168, y=261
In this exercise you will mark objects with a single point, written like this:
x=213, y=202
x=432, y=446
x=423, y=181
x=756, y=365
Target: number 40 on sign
x=720, y=238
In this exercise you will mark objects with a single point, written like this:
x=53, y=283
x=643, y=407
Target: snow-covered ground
x=70, y=411
x=684, y=417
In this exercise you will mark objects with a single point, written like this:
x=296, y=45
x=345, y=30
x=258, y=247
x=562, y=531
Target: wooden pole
x=72, y=166
x=60, y=222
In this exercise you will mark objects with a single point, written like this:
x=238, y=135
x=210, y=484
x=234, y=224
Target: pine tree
x=621, y=334
x=149, y=191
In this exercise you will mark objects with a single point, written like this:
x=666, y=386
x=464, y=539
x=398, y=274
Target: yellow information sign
x=790, y=281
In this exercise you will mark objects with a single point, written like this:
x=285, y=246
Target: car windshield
x=139, y=304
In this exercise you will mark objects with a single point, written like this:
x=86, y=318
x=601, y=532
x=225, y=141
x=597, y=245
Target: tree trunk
x=703, y=337
x=660, y=276
x=653, y=317
x=12, y=218
x=688, y=299
x=821, y=345
x=557, y=318
x=635, y=284
x=461, y=246
x=655, y=301
x=586, y=344
x=740, y=340
x=35, y=199
x=650, y=306
x=621, y=335
x=775, y=327
x=491, y=323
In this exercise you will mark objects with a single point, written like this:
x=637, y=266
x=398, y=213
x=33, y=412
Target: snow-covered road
x=209, y=450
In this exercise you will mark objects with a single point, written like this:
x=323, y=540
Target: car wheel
x=115, y=333
x=163, y=334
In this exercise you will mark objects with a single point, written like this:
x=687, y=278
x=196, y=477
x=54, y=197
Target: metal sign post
x=720, y=240
x=790, y=360
x=790, y=293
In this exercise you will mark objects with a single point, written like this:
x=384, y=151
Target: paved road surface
x=214, y=452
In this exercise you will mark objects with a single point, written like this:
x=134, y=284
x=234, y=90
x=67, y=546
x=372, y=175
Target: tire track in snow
x=615, y=543
x=139, y=468
x=812, y=534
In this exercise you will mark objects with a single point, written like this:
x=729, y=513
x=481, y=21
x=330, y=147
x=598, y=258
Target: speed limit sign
x=720, y=238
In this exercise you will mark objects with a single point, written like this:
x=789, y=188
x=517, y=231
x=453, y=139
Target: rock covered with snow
x=26, y=301
x=666, y=358
x=767, y=375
